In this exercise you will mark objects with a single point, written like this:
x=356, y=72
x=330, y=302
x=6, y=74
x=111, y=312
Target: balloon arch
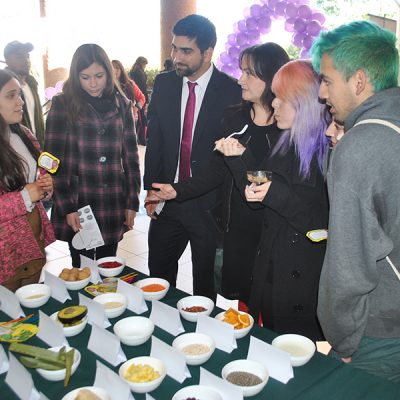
x=300, y=19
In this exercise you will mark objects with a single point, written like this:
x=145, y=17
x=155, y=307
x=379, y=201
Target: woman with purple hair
x=288, y=264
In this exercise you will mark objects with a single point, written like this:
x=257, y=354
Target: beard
x=184, y=69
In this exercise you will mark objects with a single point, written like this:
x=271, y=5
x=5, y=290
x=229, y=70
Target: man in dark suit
x=183, y=127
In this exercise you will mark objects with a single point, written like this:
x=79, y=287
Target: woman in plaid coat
x=90, y=128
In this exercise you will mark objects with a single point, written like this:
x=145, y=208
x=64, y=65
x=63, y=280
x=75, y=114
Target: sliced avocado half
x=72, y=315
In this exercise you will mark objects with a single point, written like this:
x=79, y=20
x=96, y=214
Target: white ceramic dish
x=108, y=272
x=144, y=387
x=198, y=392
x=77, y=285
x=108, y=298
x=34, y=295
x=300, y=348
x=153, y=295
x=192, y=301
x=252, y=367
x=188, y=339
x=134, y=331
x=71, y=330
x=238, y=333
x=59, y=375
x=99, y=392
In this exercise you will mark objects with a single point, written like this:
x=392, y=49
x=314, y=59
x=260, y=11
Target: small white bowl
x=192, y=301
x=252, y=367
x=108, y=272
x=111, y=298
x=188, y=339
x=71, y=330
x=144, y=387
x=198, y=392
x=238, y=333
x=77, y=285
x=153, y=295
x=59, y=375
x=34, y=295
x=134, y=331
x=99, y=392
x=300, y=348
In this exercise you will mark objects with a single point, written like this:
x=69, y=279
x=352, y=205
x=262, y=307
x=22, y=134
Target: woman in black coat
x=240, y=224
x=288, y=264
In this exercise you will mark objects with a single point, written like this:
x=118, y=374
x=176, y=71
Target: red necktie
x=186, y=141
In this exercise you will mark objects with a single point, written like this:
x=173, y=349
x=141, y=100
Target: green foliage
x=293, y=51
x=151, y=74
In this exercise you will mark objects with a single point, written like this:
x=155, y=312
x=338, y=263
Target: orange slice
x=244, y=320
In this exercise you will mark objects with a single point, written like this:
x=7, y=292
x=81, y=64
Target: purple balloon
x=293, y=1
x=291, y=10
x=233, y=52
x=272, y=3
x=280, y=8
x=304, y=12
x=289, y=25
x=300, y=25
x=307, y=41
x=319, y=17
x=241, y=39
x=313, y=28
x=225, y=58
x=251, y=24
x=246, y=12
x=304, y=54
x=253, y=35
x=232, y=39
x=227, y=69
x=264, y=25
x=265, y=11
x=255, y=10
x=242, y=25
x=297, y=39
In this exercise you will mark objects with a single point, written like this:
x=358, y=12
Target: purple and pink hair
x=297, y=83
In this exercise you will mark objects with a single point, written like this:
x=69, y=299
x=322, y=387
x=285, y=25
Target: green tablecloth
x=322, y=378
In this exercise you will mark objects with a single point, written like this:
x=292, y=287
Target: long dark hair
x=12, y=166
x=83, y=58
x=264, y=60
x=125, y=82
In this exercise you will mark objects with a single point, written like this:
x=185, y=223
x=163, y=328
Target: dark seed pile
x=242, y=378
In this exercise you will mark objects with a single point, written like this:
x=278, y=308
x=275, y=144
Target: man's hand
x=256, y=193
x=229, y=147
x=130, y=218
x=150, y=203
x=73, y=221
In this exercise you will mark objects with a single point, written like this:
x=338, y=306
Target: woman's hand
x=35, y=191
x=229, y=147
x=165, y=192
x=73, y=221
x=130, y=218
x=46, y=183
x=256, y=193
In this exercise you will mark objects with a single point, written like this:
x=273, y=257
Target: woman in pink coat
x=24, y=227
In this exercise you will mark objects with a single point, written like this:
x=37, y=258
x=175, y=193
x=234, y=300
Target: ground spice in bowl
x=195, y=349
x=153, y=287
x=242, y=378
x=195, y=309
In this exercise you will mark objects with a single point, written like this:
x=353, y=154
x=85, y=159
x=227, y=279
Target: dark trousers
x=109, y=250
x=178, y=224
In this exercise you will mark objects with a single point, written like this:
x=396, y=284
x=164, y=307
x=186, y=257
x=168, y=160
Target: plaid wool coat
x=99, y=166
x=17, y=242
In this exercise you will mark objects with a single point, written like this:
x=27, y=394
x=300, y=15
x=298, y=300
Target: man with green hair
x=359, y=294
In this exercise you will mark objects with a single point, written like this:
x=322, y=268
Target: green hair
x=360, y=45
